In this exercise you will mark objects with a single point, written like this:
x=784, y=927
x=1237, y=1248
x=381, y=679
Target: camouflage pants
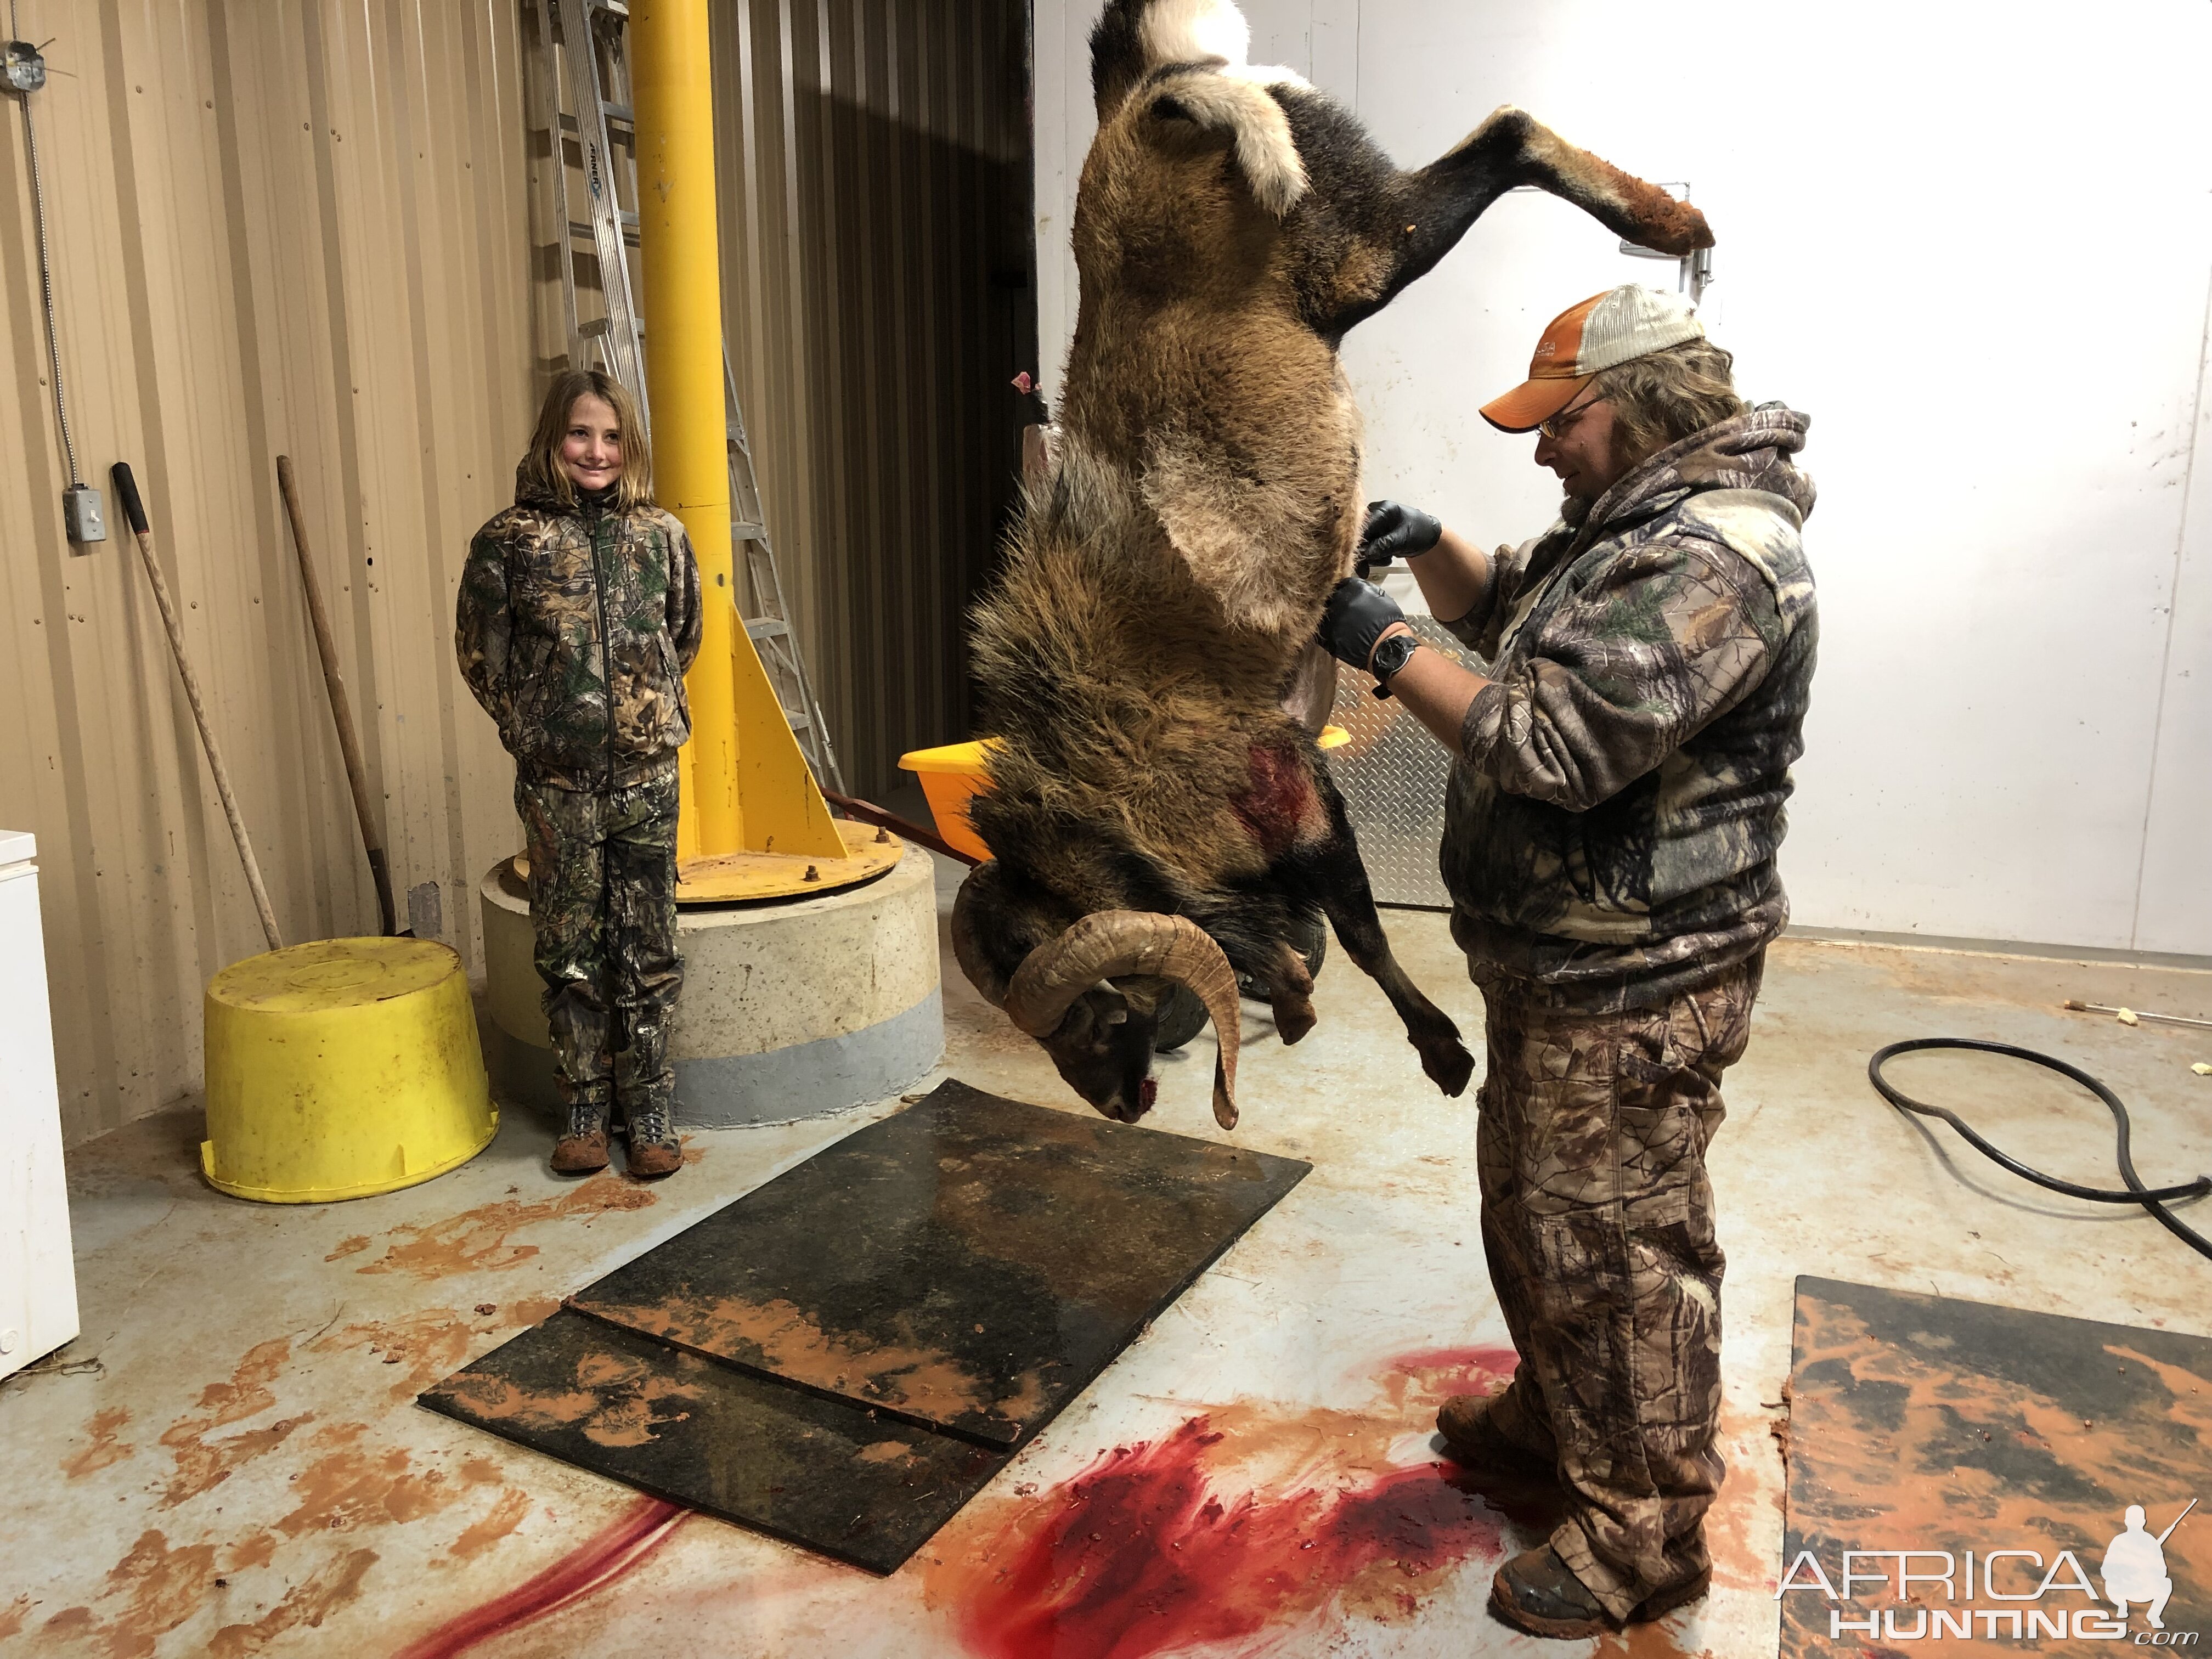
x=1598, y=1222
x=602, y=901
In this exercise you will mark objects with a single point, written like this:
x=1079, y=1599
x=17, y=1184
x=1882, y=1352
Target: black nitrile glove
x=1354, y=618
x=1395, y=531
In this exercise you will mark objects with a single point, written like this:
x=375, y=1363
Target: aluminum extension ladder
x=587, y=95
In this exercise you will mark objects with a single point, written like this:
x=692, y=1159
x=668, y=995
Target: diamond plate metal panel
x=1393, y=773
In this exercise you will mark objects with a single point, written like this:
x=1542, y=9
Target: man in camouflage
x=578, y=617
x=1610, y=838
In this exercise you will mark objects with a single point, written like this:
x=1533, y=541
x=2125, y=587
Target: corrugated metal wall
x=292, y=228
x=304, y=229
x=874, y=168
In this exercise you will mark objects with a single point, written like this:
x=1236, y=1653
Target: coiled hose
x=2153, y=1199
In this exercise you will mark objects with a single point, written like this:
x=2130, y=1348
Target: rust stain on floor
x=353, y=1246
x=164, y=1588
x=203, y=1464
x=425, y=1345
x=1749, y=1497
x=1645, y=1642
x=348, y=1488
x=511, y=1510
x=13, y=1615
x=307, y=1603
x=476, y=1240
x=107, y=1446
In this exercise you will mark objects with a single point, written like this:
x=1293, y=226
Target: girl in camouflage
x=579, y=615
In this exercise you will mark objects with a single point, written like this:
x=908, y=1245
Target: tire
x=1182, y=1017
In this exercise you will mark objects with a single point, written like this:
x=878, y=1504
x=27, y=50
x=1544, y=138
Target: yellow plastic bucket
x=342, y=1068
x=951, y=775
x=950, y=778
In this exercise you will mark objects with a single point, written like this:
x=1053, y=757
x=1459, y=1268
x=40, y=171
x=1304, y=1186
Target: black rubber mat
x=845, y=1356
x=2004, y=1450
x=969, y=1264
x=833, y=1477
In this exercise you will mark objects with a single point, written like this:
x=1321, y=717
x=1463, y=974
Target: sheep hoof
x=1449, y=1066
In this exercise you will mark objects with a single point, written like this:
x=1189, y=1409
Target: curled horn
x=1115, y=942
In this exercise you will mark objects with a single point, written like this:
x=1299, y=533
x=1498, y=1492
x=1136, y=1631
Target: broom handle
x=126, y=489
x=371, y=839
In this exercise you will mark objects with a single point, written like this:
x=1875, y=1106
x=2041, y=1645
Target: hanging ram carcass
x=1158, y=816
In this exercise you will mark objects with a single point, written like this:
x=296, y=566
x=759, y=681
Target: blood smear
x=1141, y=1554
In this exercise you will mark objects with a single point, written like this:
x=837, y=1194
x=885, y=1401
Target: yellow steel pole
x=746, y=786
x=671, y=81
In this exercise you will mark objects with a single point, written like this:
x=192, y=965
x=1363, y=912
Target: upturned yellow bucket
x=340, y=1069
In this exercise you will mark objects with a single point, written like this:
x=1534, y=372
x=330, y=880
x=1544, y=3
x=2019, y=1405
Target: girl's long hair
x=542, y=467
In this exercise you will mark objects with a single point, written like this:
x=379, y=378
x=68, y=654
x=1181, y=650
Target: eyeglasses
x=1556, y=428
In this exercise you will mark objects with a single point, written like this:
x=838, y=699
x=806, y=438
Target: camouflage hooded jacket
x=1615, y=809
x=575, y=625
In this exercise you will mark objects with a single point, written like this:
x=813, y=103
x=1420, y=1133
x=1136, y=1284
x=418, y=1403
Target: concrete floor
x=228, y=1460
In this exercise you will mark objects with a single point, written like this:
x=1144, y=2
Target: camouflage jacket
x=1614, y=811
x=575, y=626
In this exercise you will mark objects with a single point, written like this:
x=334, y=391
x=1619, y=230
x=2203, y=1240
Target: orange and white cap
x=1603, y=331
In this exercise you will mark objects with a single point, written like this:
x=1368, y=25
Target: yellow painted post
x=746, y=780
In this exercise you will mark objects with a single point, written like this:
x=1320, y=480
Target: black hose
x=2153, y=1199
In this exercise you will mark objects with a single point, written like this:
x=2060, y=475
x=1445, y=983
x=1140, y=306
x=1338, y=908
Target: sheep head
x=1092, y=994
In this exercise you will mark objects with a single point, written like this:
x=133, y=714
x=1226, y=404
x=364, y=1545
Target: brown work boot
x=1472, y=1438
x=654, y=1151
x=582, y=1147
x=1537, y=1593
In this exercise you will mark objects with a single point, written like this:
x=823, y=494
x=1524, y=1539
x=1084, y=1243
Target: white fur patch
x=1192, y=31
x=1269, y=75
x=1265, y=149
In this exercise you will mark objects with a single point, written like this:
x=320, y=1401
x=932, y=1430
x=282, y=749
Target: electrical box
x=80, y=513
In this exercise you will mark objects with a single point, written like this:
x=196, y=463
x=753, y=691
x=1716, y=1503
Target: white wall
x=1973, y=244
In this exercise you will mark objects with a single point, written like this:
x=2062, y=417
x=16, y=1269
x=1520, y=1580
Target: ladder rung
x=748, y=532
x=580, y=231
x=620, y=113
x=766, y=628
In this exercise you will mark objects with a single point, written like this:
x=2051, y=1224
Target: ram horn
x=1110, y=943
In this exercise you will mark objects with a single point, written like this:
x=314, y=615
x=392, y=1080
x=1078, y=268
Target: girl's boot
x=655, y=1149
x=582, y=1147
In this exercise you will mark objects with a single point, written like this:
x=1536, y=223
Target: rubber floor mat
x=846, y=1355
x=833, y=1477
x=2003, y=1480
x=967, y=1265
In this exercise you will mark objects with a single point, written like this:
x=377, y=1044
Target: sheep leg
x=1421, y=217
x=1341, y=880
x=1622, y=203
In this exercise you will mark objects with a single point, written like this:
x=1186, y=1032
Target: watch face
x=1392, y=655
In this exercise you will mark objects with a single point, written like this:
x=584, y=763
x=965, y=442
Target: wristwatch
x=1393, y=654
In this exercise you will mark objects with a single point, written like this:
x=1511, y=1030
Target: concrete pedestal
x=789, y=1010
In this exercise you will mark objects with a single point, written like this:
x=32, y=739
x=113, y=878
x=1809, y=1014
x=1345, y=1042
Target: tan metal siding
x=304, y=229
x=873, y=167
x=294, y=230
